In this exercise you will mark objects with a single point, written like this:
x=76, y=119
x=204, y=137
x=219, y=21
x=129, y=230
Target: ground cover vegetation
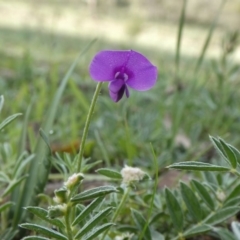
x=77, y=163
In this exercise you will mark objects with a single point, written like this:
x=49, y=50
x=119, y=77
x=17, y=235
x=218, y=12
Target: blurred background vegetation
x=40, y=39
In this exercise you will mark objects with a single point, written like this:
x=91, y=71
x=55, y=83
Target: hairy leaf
x=174, y=210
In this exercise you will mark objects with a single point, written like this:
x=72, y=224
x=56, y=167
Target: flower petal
x=116, y=85
x=143, y=75
x=105, y=64
x=116, y=90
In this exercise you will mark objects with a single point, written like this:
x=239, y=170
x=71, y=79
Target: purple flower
x=123, y=69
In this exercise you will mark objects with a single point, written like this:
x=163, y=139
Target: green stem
x=68, y=224
x=87, y=123
x=123, y=200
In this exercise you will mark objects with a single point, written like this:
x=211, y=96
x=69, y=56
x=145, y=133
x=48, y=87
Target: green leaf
x=87, y=210
x=109, y=173
x=5, y=206
x=44, y=231
x=8, y=234
x=232, y=202
x=93, y=193
x=179, y=38
x=198, y=166
x=222, y=215
x=141, y=222
x=45, y=139
x=197, y=229
x=224, y=234
x=236, y=153
x=236, y=229
x=9, y=120
x=229, y=153
x=1, y=102
x=218, y=146
x=209, y=36
x=97, y=231
x=12, y=185
x=157, y=236
x=174, y=209
x=204, y=194
x=21, y=164
x=91, y=224
x=42, y=214
x=191, y=202
x=35, y=238
x=234, y=193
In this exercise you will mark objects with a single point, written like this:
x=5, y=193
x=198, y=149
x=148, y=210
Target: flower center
x=122, y=76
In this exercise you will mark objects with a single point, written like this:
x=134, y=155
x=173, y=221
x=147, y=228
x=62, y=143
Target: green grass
x=33, y=61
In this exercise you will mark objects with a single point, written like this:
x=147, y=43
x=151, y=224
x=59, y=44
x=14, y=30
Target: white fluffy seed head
x=131, y=174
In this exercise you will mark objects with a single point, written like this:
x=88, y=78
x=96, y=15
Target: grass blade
x=179, y=38
x=209, y=36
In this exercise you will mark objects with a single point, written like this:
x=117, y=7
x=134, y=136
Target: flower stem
x=123, y=200
x=87, y=123
x=68, y=224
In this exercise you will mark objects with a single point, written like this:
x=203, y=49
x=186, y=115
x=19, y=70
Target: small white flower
x=130, y=174
x=220, y=195
x=74, y=180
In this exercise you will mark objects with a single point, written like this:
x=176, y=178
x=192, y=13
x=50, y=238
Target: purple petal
x=116, y=89
x=143, y=75
x=116, y=85
x=105, y=64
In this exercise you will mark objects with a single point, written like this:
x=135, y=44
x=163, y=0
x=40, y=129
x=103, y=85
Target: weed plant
x=126, y=149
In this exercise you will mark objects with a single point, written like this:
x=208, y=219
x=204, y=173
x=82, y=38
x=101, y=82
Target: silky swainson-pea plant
x=123, y=69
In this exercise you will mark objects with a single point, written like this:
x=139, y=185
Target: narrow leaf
x=224, y=234
x=209, y=36
x=179, y=37
x=23, y=138
x=236, y=153
x=222, y=215
x=204, y=194
x=12, y=185
x=218, y=146
x=229, y=153
x=191, y=202
x=8, y=234
x=197, y=229
x=35, y=238
x=109, y=173
x=45, y=139
x=174, y=209
x=198, y=166
x=9, y=120
x=236, y=229
x=5, y=206
x=93, y=193
x=234, y=193
x=1, y=102
x=42, y=214
x=44, y=231
x=232, y=202
x=141, y=222
x=97, y=231
x=87, y=210
x=91, y=224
